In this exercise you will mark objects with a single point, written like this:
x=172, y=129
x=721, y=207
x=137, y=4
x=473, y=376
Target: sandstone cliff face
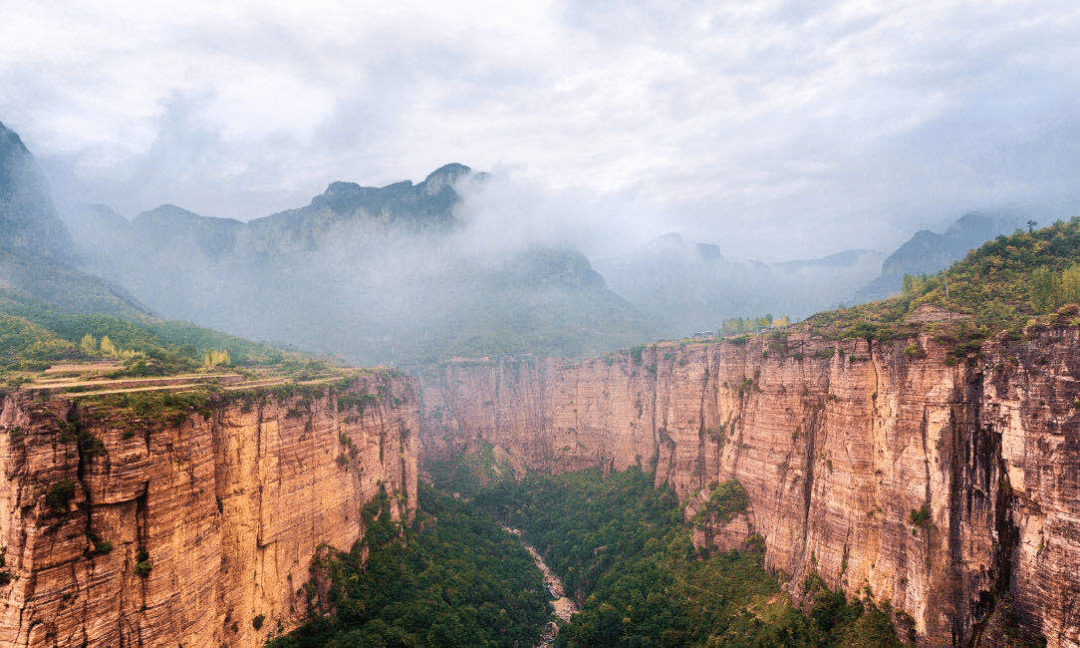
x=229, y=506
x=945, y=488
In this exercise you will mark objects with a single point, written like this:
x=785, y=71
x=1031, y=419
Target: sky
x=774, y=129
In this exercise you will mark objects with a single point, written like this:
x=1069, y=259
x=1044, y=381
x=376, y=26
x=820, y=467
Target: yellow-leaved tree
x=1070, y=284
x=213, y=358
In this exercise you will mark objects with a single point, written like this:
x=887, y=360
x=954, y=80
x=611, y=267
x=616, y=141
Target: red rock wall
x=230, y=506
x=837, y=445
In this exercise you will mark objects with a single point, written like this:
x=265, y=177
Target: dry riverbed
x=564, y=607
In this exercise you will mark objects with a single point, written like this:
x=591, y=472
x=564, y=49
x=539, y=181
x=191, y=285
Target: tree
x=107, y=347
x=913, y=284
x=88, y=344
x=214, y=358
x=1070, y=284
x=1045, y=290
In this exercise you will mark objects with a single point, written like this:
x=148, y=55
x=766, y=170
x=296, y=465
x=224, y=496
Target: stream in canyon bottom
x=564, y=606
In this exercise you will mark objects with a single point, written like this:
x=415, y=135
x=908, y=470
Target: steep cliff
x=948, y=488
x=158, y=521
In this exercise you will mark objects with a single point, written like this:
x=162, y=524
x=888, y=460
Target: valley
x=900, y=471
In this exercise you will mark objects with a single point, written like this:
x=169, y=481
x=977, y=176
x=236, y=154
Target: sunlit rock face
x=945, y=488
x=229, y=506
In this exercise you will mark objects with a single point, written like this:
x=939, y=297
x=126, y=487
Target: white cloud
x=779, y=128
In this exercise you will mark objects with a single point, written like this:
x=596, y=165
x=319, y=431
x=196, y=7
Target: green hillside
x=1028, y=279
x=34, y=335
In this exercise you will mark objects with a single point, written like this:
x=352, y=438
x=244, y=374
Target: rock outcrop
x=125, y=526
x=950, y=488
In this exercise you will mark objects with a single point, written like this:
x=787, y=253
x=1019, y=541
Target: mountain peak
x=169, y=210
x=430, y=202
x=9, y=139
x=448, y=173
x=28, y=220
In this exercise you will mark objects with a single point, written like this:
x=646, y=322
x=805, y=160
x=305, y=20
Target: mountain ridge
x=378, y=274
x=928, y=252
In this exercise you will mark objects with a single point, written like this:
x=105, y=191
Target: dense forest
x=620, y=546
x=453, y=578
x=624, y=551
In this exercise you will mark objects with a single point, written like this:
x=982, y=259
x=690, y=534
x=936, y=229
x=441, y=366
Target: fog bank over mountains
x=778, y=130
x=460, y=264
x=377, y=275
x=466, y=264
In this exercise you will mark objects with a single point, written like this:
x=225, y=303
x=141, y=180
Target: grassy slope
x=991, y=288
x=33, y=335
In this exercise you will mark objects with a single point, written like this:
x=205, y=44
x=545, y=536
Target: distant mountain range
x=27, y=216
x=684, y=287
x=37, y=255
x=391, y=274
x=375, y=274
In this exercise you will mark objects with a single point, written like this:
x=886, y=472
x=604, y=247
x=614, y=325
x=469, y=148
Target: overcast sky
x=775, y=129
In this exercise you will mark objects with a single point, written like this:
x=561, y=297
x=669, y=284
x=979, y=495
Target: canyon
x=949, y=487
x=120, y=527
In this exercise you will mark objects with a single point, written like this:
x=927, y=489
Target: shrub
x=913, y=350
x=59, y=496
x=920, y=517
x=725, y=502
x=257, y=622
x=16, y=435
x=143, y=566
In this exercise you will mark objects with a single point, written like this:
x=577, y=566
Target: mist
x=641, y=171
x=780, y=131
x=462, y=264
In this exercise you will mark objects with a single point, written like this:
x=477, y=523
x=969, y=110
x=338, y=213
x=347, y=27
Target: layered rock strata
x=122, y=527
x=949, y=488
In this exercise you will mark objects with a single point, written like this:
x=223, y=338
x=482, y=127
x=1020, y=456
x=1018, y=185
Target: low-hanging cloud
x=784, y=129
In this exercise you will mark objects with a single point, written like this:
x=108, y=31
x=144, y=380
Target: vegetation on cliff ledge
x=726, y=500
x=34, y=336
